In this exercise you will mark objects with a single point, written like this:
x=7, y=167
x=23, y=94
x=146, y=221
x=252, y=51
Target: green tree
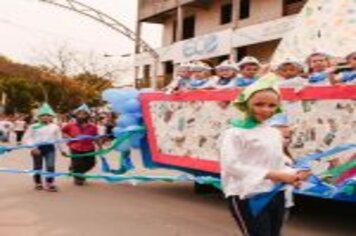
x=92, y=86
x=20, y=94
x=28, y=86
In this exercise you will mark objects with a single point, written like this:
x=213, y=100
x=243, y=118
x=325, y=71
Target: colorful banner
x=184, y=128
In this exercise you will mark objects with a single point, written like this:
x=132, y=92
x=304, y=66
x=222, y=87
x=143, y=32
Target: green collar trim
x=38, y=125
x=248, y=123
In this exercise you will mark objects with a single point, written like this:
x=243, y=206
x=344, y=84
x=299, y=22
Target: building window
x=291, y=7
x=241, y=53
x=226, y=13
x=188, y=27
x=168, y=72
x=221, y=59
x=174, y=33
x=146, y=76
x=168, y=67
x=244, y=9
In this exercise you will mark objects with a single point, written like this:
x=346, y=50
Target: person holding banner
x=44, y=131
x=253, y=161
x=84, y=149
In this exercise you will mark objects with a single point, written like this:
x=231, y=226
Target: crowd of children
x=47, y=126
x=319, y=69
x=13, y=125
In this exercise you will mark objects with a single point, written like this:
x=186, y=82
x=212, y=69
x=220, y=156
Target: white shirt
x=19, y=125
x=47, y=133
x=247, y=155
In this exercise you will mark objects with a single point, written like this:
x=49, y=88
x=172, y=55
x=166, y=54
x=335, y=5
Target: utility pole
x=112, y=23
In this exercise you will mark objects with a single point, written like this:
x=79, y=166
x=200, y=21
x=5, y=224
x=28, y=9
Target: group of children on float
x=251, y=165
x=319, y=69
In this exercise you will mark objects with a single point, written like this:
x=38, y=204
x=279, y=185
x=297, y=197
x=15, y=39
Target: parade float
x=183, y=128
x=181, y=131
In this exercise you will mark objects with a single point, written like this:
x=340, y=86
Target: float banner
x=184, y=128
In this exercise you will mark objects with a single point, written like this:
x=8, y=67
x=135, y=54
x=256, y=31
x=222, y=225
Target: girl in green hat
x=252, y=160
x=44, y=131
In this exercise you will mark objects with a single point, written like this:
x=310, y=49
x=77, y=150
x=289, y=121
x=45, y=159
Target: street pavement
x=169, y=209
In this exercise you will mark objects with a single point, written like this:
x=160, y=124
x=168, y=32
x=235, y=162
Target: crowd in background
x=13, y=127
x=46, y=127
x=319, y=69
x=13, y=124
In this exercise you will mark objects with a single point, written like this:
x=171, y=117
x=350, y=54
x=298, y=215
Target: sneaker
x=79, y=182
x=38, y=187
x=52, y=188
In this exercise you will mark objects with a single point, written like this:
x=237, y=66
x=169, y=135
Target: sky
x=29, y=28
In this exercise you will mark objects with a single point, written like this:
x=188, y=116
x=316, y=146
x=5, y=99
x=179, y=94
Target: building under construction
x=212, y=30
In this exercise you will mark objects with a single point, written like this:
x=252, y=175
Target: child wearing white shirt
x=253, y=161
x=40, y=133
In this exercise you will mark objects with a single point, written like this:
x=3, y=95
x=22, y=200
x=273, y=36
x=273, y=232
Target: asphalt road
x=169, y=209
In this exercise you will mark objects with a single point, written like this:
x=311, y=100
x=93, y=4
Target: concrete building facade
x=212, y=30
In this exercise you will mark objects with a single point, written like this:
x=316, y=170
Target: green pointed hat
x=268, y=81
x=84, y=107
x=45, y=109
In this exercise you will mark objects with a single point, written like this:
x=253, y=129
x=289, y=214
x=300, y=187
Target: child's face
x=263, y=104
x=203, y=74
x=46, y=119
x=289, y=71
x=82, y=115
x=318, y=63
x=249, y=70
x=184, y=73
x=226, y=73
